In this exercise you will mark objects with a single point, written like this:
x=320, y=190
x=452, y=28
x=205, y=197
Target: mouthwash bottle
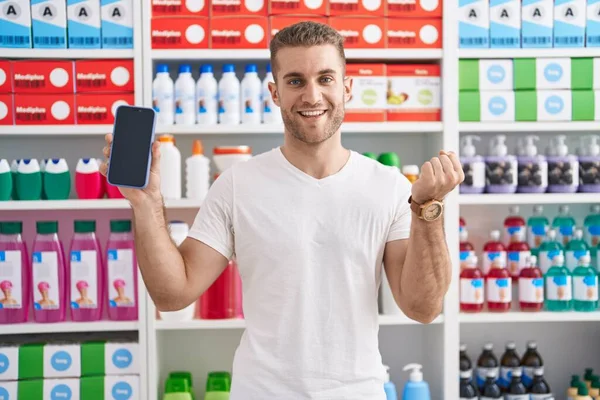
x=471, y=287
x=591, y=231
x=468, y=390
x=513, y=224
x=516, y=389
x=559, y=294
x=531, y=287
x=549, y=249
x=466, y=248
x=537, y=226
x=585, y=286
x=499, y=287
x=564, y=223
x=490, y=390
x=531, y=361
x=539, y=390
x=487, y=365
x=518, y=254
x=587, y=377
x=573, y=386
x=575, y=250
x=510, y=364
x=493, y=252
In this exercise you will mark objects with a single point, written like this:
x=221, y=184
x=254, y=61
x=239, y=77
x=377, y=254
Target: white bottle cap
x=564, y=209
x=468, y=149
x=495, y=235
x=561, y=148
x=532, y=261
x=387, y=373
x=514, y=210
x=585, y=260
x=488, y=346
x=552, y=234
x=538, y=210
x=416, y=375
x=529, y=148
x=468, y=374
x=595, y=208
x=410, y=170
x=511, y=345
x=472, y=261
x=558, y=260
x=593, y=149
x=498, y=146
x=463, y=347
x=578, y=234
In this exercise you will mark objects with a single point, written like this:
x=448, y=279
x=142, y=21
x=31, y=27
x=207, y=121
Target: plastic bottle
x=559, y=290
x=563, y=168
x=88, y=179
x=86, y=274
x=163, y=96
x=218, y=385
x=57, y=179
x=207, y=96
x=15, y=274
x=573, y=386
x=222, y=300
x=533, y=167
x=389, y=387
x=487, y=364
x=564, y=223
x=411, y=172
x=501, y=168
x=531, y=287
x=473, y=166
x=549, y=249
x=471, y=287
x=518, y=254
x=575, y=250
x=516, y=389
x=493, y=251
x=271, y=111
x=589, y=164
x=582, y=392
x=587, y=377
x=122, y=274
x=499, y=287
x=49, y=274
x=6, y=181
x=177, y=389
x=585, y=286
x=250, y=105
x=465, y=361
x=416, y=388
x=591, y=229
x=468, y=390
x=539, y=390
x=510, y=364
x=197, y=173
x=537, y=227
x=466, y=248
x=531, y=362
x=185, y=97
x=490, y=390
x=595, y=387
x=14, y=166
x=229, y=96
x=29, y=180
x=513, y=223
x=170, y=168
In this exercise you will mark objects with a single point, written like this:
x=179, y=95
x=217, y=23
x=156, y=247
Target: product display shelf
x=76, y=204
x=529, y=53
x=501, y=127
x=60, y=327
x=55, y=130
x=68, y=54
x=523, y=198
x=517, y=316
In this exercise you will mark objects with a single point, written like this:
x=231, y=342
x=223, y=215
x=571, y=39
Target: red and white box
x=180, y=8
x=279, y=22
x=239, y=8
x=6, y=77
x=414, y=33
x=7, y=109
x=368, y=101
x=43, y=77
x=44, y=109
x=360, y=33
x=413, y=92
x=299, y=7
x=239, y=33
x=414, y=8
x=180, y=33
x=357, y=8
x=100, y=109
x=104, y=76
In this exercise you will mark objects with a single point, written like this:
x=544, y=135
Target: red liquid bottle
x=466, y=249
x=513, y=223
x=518, y=254
x=471, y=287
x=223, y=299
x=492, y=251
x=499, y=287
x=531, y=287
x=462, y=225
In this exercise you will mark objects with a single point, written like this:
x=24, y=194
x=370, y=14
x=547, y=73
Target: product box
x=569, y=23
x=110, y=358
x=485, y=74
x=238, y=8
x=597, y=105
x=117, y=24
x=45, y=76
x=413, y=92
x=104, y=76
x=360, y=33
x=414, y=33
x=44, y=109
x=49, y=23
x=99, y=109
x=125, y=387
x=487, y=106
x=50, y=389
x=6, y=77
x=544, y=105
x=505, y=23
x=474, y=24
x=414, y=8
x=239, y=33
x=9, y=355
x=83, y=23
x=537, y=18
x=278, y=22
x=180, y=8
x=368, y=101
x=180, y=33
x=596, y=68
x=357, y=8
x=592, y=31
x=52, y=360
x=15, y=23
x=553, y=73
x=7, y=110
x=299, y=7
x=9, y=390
x=583, y=104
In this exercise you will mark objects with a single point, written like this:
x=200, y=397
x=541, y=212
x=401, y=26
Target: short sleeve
x=213, y=225
x=400, y=228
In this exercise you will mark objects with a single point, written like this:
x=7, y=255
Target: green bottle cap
x=46, y=227
x=390, y=159
x=120, y=225
x=582, y=389
x=589, y=372
x=596, y=382
x=218, y=381
x=11, y=227
x=183, y=375
x=177, y=385
x=370, y=155
x=85, y=226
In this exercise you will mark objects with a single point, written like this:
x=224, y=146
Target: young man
x=310, y=224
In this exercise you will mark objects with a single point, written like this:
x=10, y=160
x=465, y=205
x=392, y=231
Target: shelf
x=529, y=53
x=76, y=204
x=483, y=127
x=517, y=316
x=523, y=198
x=61, y=327
x=66, y=53
x=55, y=130
x=391, y=320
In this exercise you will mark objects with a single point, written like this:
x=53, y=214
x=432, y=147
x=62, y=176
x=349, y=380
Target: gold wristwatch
x=430, y=211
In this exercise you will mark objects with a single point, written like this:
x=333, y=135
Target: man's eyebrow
x=294, y=74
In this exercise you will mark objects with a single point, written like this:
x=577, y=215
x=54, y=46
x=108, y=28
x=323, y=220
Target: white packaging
x=84, y=24
x=537, y=23
x=271, y=111
x=62, y=361
x=118, y=387
x=569, y=23
x=229, y=96
x=496, y=75
x=9, y=363
x=170, y=168
x=163, y=96
x=474, y=23
x=8, y=390
x=185, y=97
x=68, y=389
x=597, y=112
x=554, y=105
x=15, y=23
x=121, y=358
x=49, y=23
x=497, y=105
x=596, y=68
x=553, y=73
x=505, y=23
x=206, y=96
x=117, y=23
x=197, y=173
x=251, y=91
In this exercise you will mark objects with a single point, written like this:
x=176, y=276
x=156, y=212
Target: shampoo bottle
x=15, y=274
x=6, y=183
x=501, y=168
x=589, y=164
x=197, y=173
x=559, y=289
x=88, y=180
x=563, y=168
x=206, y=96
x=389, y=387
x=185, y=97
x=585, y=286
x=218, y=385
x=533, y=167
x=29, y=180
x=473, y=167
x=57, y=180
x=416, y=388
x=251, y=91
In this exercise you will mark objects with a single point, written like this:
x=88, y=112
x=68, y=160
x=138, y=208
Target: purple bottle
x=563, y=168
x=589, y=164
x=122, y=274
x=473, y=166
x=533, y=168
x=15, y=274
x=500, y=168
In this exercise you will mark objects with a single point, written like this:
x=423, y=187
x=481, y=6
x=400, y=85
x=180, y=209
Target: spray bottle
x=533, y=167
x=589, y=164
x=473, y=167
x=5, y=180
x=416, y=388
x=501, y=168
x=563, y=168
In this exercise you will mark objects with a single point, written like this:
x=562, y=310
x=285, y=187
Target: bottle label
x=120, y=278
x=528, y=372
x=559, y=288
x=229, y=102
x=516, y=397
x=517, y=260
x=592, y=235
x=541, y=396
x=207, y=101
x=471, y=291
x=536, y=235
x=464, y=256
x=474, y=174
x=84, y=279
x=533, y=174
x=506, y=374
x=563, y=173
x=564, y=234
x=585, y=288
x=482, y=374
x=509, y=231
x=184, y=102
x=490, y=257
x=251, y=101
x=10, y=280
x=499, y=290
x=45, y=281
x=531, y=290
x=572, y=258
x=545, y=260
x=162, y=101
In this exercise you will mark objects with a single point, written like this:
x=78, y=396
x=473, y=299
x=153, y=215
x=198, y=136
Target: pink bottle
x=223, y=299
x=15, y=275
x=49, y=274
x=121, y=267
x=86, y=278
x=88, y=179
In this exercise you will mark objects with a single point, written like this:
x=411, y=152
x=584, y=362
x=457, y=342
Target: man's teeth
x=312, y=113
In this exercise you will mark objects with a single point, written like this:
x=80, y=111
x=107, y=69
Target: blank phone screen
x=132, y=142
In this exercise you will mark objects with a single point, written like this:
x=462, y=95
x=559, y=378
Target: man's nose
x=311, y=94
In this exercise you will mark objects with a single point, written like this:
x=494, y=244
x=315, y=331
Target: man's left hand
x=439, y=176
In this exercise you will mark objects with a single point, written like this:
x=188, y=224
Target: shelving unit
x=517, y=316
x=102, y=204
x=56, y=130
x=69, y=54
x=522, y=198
x=502, y=127
x=530, y=53
x=70, y=327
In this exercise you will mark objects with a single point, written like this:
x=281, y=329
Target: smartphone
x=131, y=149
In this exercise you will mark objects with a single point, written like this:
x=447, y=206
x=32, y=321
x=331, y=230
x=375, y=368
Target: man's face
x=311, y=91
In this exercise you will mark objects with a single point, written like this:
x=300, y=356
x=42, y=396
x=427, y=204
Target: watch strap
x=415, y=207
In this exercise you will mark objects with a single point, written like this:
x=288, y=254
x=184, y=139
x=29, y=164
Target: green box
x=469, y=106
x=583, y=105
x=525, y=76
x=526, y=105
x=569, y=73
x=92, y=388
x=31, y=361
x=582, y=73
x=109, y=358
x=468, y=75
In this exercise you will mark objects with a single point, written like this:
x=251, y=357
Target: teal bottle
x=537, y=227
x=576, y=249
x=57, y=180
x=591, y=230
x=14, y=165
x=564, y=223
x=559, y=290
x=549, y=249
x=585, y=286
x=5, y=181
x=29, y=180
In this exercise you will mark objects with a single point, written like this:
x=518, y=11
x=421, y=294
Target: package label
x=100, y=76
x=359, y=8
x=531, y=290
x=474, y=23
x=61, y=389
x=120, y=278
x=43, y=77
x=100, y=109
x=44, y=109
x=227, y=8
x=489, y=259
x=15, y=24
x=495, y=74
x=499, y=290
x=6, y=109
x=517, y=260
x=505, y=23
x=585, y=288
x=121, y=358
x=413, y=93
x=368, y=100
x=84, y=279
x=6, y=77
x=180, y=8
x=471, y=291
x=117, y=23
x=592, y=28
x=414, y=33
x=84, y=24
x=559, y=288
x=49, y=23
x=239, y=33
x=414, y=8
x=497, y=106
x=180, y=33
x=569, y=23
x=553, y=73
x=45, y=281
x=554, y=105
x=298, y=7
x=278, y=22
x=537, y=23
x=11, y=295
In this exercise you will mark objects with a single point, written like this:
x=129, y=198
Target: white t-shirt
x=310, y=255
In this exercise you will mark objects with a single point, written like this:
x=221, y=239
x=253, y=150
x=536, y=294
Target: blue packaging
x=537, y=25
x=84, y=24
x=569, y=23
x=117, y=24
x=593, y=24
x=505, y=23
x=474, y=24
x=49, y=24
x=15, y=24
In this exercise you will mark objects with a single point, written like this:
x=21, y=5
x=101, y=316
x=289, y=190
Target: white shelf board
x=55, y=130
x=575, y=126
x=523, y=198
x=517, y=316
x=76, y=204
x=390, y=320
x=529, y=53
x=263, y=54
x=60, y=327
x=66, y=53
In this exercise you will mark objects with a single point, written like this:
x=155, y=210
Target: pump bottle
x=500, y=168
x=416, y=388
x=473, y=167
x=589, y=164
x=563, y=168
x=533, y=167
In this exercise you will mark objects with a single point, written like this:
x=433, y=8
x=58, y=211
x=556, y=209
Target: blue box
x=593, y=24
x=537, y=25
x=83, y=21
x=117, y=24
x=15, y=24
x=474, y=24
x=569, y=23
x=505, y=23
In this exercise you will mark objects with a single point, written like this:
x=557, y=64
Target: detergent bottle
x=575, y=250
x=473, y=167
x=471, y=287
x=537, y=227
x=589, y=164
x=533, y=167
x=6, y=183
x=15, y=274
x=585, y=286
x=564, y=223
x=389, y=387
x=559, y=291
x=88, y=180
x=416, y=388
x=549, y=249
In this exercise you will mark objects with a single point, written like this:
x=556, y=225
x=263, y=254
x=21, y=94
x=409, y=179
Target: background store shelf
x=76, y=204
x=99, y=326
x=516, y=316
x=529, y=53
x=523, y=198
x=263, y=54
x=67, y=53
x=500, y=127
x=55, y=130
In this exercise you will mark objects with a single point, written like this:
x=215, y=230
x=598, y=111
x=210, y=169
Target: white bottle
x=229, y=96
x=271, y=112
x=185, y=97
x=251, y=95
x=163, y=94
x=197, y=173
x=206, y=97
x=170, y=168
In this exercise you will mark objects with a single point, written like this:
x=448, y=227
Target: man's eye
x=326, y=79
x=294, y=82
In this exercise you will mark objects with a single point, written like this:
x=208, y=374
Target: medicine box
x=537, y=26
x=110, y=358
x=485, y=106
x=414, y=8
x=569, y=23
x=239, y=33
x=474, y=23
x=180, y=33
x=6, y=77
x=278, y=22
x=553, y=73
x=83, y=23
x=597, y=105
x=49, y=389
x=15, y=23
x=359, y=32
x=180, y=8
x=240, y=8
x=544, y=105
x=419, y=33
x=596, y=68
x=485, y=74
x=9, y=355
x=505, y=23
x=368, y=100
x=413, y=92
x=100, y=109
x=7, y=109
x=593, y=24
x=104, y=76
x=9, y=390
x=110, y=387
x=582, y=105
x=357, y=8
x=43, y=76
x=44, y=109
x=117, y=24
x=298, y=7
x=49, y=23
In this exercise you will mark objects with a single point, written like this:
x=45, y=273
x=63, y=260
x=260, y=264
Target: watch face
x=432, y=212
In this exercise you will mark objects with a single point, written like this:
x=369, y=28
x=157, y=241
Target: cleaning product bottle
x=206, y=96
x=531, y=287
x=564, y=223
x=533, y=167
x=573, y=386
x=229, y=96
x=587, y=377
x=549, y=249
x=389, y=387
x=513, y=223
x=585, y=286
x=6, y=183
x=251, y=88
x=468, y=390
x=559, y=290
x=103, y=181
x=473, y=167
x=466, y=248
x=416, y=388
x=57, y=180
x=15, y=274
x=518, y=254
x=271, y=112
x=471, y=287
x=218, y=385
x=589, y=164
x=29, y=180
x=595, y=387
x=197, y=173
x=510, y=364
x=122, y=273
x=532, y=360
x=222, y=300
x=170, y=168
x=487, y=364
x=490, y=390
x=501, y=168
x=88, y=180
x=537, y=227
x=539, y=390
x=563, y=168
x=49, y=274
x=112, y=191
x=465, y=361
x=582, y=392
x=493, y=250
x=516, y=389
x=575, y=250
x=163, y=96
x=185, y=96
x=177, y=389
x=86, y=275
x=14, y=166
x=499, y=287
x=591, y=227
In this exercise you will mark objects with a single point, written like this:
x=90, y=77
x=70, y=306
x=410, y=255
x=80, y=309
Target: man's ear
x=347, y=88
x=274, y=93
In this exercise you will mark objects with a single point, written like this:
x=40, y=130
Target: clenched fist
x=439, y=176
